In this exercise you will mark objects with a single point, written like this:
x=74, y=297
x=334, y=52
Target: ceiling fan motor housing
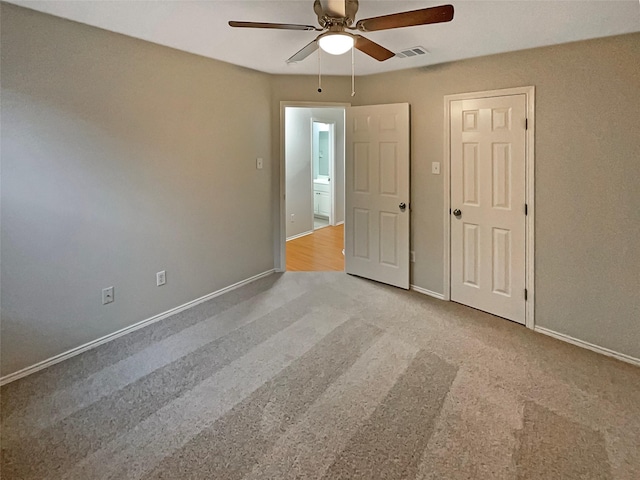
x=328, y=16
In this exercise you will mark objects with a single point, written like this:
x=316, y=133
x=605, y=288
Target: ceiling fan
x=335, y=17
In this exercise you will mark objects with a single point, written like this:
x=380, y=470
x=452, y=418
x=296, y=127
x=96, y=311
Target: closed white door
x=488, y=217
x=377, y=193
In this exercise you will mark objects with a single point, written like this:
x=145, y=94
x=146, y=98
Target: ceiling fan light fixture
x=336, y=43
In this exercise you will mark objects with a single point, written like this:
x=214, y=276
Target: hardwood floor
x=321, y=251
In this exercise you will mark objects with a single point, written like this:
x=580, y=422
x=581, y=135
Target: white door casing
x=488, y=186
x=325, y=206
x=282, y=218
x=377, y=188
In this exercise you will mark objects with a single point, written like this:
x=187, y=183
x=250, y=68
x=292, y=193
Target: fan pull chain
x=319, y=72
x=353, y=73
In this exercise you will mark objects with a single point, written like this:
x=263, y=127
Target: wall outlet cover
x=107, y=295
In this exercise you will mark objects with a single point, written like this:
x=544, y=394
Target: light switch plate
x=259, y=163
x=435, y=168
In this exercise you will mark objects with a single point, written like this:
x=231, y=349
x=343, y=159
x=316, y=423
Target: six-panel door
x=377, y=185
x=488, y=188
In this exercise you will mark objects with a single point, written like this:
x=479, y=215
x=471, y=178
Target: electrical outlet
x=161, y=278
x=107, y=295
x=412, y=256
x=293, y=218
x=259, y=163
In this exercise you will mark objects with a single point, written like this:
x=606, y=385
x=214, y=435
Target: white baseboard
x=589, y=346
x=424, y=291
x=339, y=223
x=303, y=234
x=136, y=326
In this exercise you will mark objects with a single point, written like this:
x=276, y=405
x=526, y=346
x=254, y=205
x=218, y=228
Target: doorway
x=313, y=137
x=322, y=165
x=375, y=206
x=489, y=204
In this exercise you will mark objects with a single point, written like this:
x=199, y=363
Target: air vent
x=412, y=52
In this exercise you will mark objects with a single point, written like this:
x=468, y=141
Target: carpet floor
x=326, y=376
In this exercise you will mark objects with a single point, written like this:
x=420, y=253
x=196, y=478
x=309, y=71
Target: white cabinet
x=321, y=199
x=322, y=204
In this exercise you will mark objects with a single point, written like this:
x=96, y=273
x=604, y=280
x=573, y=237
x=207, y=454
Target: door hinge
x=526, y=294
x=526, y=124
x=526, y=209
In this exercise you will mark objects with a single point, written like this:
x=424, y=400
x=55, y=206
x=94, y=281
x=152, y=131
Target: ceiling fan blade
x=304, y=53
x=278, y=26
x=424, y=16
x=373, y=49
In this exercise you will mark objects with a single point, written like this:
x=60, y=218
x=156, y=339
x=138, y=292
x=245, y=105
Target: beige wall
x=587, y=176
x=121, y=158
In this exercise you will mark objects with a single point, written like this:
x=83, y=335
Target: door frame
x=332, y=166
x=280, y=264
x=529, y=93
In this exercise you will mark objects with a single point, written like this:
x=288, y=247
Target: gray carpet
x=326, y=376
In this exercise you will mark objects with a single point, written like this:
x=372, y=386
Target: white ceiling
x=478, y=28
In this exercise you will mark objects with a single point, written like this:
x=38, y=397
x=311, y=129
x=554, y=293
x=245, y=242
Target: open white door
x=377, y=193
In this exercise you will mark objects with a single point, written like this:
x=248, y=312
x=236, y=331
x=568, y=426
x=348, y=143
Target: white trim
x=446, y=177
x=424, y=291
x=332, y=142
x=340, y=223
x=589, y=346
x=281, y=225
x=303, y=234
x=124, y=331
x=332, y=173
x=530, y=97
x=332, y=169
x=529, y=93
